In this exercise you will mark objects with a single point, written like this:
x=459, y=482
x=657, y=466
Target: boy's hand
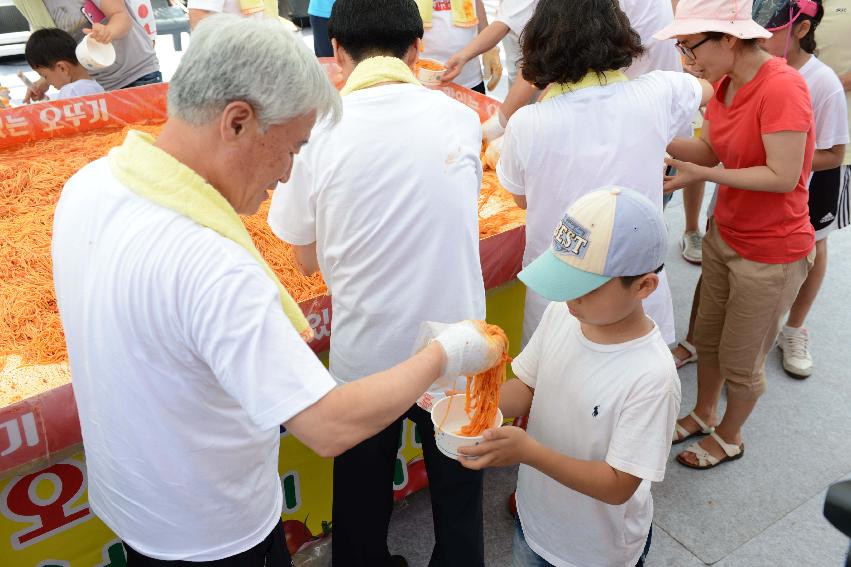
x=502, y=447
x=37, y=91
x=100, y=33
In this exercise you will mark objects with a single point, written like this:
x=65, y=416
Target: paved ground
x=764, y=510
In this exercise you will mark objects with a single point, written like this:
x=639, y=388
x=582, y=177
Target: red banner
x=37, y=431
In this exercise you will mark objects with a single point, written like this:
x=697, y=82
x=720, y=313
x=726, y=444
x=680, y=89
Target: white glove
x=494, y=127
x=468, y=350
x=493, y=152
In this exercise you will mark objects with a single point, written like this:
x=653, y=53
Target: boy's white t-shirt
x=614, y=403
x=82, y=87
x=390, y=196
x=556, y=151
x=443, y=39
x=184, y=367
x=830, y=111
x=515, y=14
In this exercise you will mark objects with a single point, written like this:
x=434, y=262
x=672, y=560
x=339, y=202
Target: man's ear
x=236, y=118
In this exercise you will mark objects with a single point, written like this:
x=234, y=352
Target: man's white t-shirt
x=558, y=150
x=614, y=403
x=390, y=196
x=184, y=366
x=515, y=14
x=80, y=88
x=829, y=108
x=443, y=39
x=648, y=17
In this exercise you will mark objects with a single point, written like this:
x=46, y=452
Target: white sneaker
x=796, y=353
x=692, y=244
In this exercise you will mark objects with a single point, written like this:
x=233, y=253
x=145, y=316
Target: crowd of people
x=171, y=315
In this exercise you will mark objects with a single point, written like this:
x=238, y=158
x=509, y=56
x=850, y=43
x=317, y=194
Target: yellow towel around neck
x=157, y=176
x=375, y=70
x=591, y=79
x=463, y=13
x=268, y=7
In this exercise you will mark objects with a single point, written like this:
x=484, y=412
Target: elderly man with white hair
x=185, y=349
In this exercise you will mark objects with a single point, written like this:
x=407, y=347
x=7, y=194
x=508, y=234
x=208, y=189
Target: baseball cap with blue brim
x=605, y=234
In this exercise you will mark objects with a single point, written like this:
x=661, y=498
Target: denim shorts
x=523, y=556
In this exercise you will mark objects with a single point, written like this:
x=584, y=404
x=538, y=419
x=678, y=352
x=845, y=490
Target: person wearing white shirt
x=794, y=24
x=187, y=353
x=599, y=386
x=385, y=205
x=592, y=127
x=51, y=52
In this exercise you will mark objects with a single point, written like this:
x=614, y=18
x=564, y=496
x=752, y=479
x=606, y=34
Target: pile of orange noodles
x=482, y=394
x=31, y=178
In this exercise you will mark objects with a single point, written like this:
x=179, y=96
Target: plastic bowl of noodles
x=448, y=417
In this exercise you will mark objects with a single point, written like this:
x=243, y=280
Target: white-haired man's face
x=258, y=160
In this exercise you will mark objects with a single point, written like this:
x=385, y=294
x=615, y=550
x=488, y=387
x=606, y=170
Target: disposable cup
x=94, y=55
x=449, y=413
x=429, y=72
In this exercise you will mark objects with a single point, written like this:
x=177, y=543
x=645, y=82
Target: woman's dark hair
x=627, y=280
x=47, y=47
x=808, y=42
x=567, y=38
x=367, y=28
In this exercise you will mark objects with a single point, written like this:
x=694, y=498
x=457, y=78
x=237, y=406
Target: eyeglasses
x=689, y=51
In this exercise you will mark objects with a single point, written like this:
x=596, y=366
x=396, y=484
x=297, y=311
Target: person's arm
x=306, y=259
x=519, y=95
x=515, y=398
x=481, y=14
x=356, y=411
x=784, y=160
x=695, y=150
x=118, y=22
x=510, y=445
x=196, y=15
x=520, y=200
x=37, y=91
x=487, y=39
x=846, y=81
x=829, y=158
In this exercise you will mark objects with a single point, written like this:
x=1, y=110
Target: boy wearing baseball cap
x=599, y=385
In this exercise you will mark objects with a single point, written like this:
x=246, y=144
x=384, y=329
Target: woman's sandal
x=682, y=434
x=705, y=460
x=692, y=357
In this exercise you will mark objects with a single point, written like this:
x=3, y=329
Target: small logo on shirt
x=596, y=411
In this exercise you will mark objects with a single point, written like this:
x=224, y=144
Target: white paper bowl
x=430, y=77
x=94, y=55
x=448, y=440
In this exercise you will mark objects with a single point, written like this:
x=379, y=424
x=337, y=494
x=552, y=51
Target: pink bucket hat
x=726, y=16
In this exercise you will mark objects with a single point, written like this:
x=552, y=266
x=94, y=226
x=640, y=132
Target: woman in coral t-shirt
x=759, y=247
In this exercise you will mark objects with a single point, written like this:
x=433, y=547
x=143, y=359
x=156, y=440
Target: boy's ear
x=645, y=285
x=63, y=67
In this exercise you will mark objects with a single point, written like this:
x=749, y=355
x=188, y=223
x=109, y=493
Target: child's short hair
x=47, y=47
x=567, y=38
x=367, y=28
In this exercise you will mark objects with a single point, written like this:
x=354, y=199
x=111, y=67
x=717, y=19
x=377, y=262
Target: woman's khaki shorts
x=741, y=306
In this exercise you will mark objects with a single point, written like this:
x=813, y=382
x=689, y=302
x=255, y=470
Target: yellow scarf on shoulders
x=591, y=79
x=463, y=12
x=157, y=176
x=375, y=70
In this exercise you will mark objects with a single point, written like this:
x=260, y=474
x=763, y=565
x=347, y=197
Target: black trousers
x=363, y=501
x=271, y=552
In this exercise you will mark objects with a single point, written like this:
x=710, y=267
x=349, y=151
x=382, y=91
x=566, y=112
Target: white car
x=14, y=30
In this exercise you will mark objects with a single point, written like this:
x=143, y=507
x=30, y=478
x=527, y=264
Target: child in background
x=794, y=23
x=51, y=53
x=511, y=17
x=599, y=386
x=449, y=26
